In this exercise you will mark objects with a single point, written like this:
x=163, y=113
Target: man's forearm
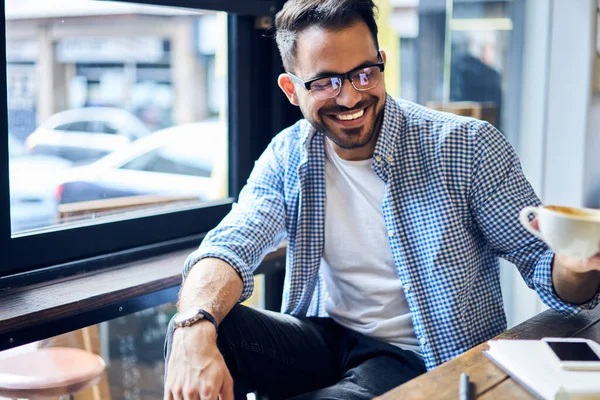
x=212, y=285
x=574, y=287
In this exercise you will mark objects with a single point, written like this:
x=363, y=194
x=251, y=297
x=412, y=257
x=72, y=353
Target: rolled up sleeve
x=254, y=226
x=543, y=279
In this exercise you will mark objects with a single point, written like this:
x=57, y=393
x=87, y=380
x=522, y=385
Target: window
x=109, y=128
x=89, y=126
x=171, y=161
x=461, y=56
x=142, y=162
x=89, y=83
x=81, y=126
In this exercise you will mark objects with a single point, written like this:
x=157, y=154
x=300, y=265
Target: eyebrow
x=326, y=74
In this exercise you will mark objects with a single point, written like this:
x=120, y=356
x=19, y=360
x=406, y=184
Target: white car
x=186, y=160
x=86, y=134
x=32, y=178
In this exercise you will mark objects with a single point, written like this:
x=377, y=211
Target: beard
x=348, y=138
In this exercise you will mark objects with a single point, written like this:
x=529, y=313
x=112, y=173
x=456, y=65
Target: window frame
x=63, y=251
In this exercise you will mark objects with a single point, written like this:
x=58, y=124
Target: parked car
x=86, y=134
x=32, y=181
x=186, y=160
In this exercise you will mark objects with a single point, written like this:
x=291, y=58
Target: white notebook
x=531, y=364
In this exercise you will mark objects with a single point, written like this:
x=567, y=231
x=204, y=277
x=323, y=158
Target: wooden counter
x=46, y=309
x=489, y=381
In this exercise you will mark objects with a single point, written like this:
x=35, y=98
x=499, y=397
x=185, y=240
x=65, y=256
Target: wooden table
x=489, y=381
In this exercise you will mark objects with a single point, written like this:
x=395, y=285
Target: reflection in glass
x=95, y=88
x=455, y=55
x=479, y=59
x=475, y=71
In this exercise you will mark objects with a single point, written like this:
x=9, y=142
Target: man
x=395, y=216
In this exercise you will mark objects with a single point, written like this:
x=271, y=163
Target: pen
x=464, y=390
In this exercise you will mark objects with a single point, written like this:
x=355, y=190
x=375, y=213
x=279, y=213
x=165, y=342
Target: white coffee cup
x=569, y=231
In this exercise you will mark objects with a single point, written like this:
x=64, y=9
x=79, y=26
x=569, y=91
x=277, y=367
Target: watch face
x=186, y=314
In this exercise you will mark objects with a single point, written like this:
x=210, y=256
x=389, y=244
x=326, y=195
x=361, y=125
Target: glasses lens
x=366, y=78
x=326, y=88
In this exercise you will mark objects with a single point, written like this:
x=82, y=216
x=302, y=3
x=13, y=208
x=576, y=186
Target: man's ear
x=383, y=55
x=285, y=83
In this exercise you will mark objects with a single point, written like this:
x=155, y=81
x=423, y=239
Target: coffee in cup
x=569, y=231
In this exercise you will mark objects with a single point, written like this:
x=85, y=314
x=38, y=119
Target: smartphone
x=574, y=353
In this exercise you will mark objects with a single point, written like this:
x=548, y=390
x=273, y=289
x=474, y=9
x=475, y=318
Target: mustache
x=341, y=109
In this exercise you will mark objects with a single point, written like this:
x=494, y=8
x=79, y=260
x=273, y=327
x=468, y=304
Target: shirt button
x=423, y=340
x=378, y=158
x=390, y=233
x=407, y=287
x=390, y=159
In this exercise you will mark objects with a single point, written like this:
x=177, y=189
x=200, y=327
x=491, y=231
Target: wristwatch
x=190, y=316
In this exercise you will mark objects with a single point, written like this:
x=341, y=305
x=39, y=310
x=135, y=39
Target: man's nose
x=348, y=96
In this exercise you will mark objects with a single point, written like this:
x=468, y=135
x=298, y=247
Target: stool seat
x=49, y=372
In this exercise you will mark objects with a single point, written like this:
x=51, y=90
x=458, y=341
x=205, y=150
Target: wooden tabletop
x=489, y=381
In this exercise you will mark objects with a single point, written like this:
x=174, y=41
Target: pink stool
x=49, y=372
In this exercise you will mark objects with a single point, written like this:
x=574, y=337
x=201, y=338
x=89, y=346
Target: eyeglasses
x=327, y=87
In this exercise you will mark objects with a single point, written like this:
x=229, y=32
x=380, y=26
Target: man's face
x=351, y=119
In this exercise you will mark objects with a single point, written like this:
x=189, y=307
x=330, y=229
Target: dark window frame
x=64, y=251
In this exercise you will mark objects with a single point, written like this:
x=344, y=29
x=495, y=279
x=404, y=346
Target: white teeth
x=349, y=117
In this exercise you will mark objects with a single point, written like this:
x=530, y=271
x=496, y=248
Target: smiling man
x=395, y=217
x=349, y=115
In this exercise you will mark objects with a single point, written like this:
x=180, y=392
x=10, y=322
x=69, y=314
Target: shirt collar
x=390, y=132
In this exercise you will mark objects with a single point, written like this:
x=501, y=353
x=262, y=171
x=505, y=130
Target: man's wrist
x=575, y=286
x=190, y=316
x=201, y=330
x=574, y=272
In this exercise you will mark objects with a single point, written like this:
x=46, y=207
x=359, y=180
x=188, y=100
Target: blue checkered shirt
x=454, y=189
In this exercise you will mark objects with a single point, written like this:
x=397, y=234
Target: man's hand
x=578, y=265
x=575, y=280
x=196, y=369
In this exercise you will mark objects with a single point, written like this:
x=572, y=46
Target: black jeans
x=280, y=356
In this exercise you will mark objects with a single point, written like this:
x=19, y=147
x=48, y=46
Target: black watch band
x=190, y=316
x=208, y=316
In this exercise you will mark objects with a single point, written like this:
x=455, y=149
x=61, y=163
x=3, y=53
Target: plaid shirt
x=454, y=189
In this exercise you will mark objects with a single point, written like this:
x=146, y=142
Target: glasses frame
x=342, y=77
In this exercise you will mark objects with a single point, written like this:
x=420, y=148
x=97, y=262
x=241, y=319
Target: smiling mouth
x=350, y=117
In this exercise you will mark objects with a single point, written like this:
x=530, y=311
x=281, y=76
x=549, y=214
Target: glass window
x=81, y=126
x=90, y=83
x=141, y=162
x=479, y=57
x=108, y=128
x=170, y=162
x=458, y=56
x=15, y=147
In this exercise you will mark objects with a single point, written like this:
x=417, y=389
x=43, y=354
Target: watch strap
x=200, y=314
x=210, y=318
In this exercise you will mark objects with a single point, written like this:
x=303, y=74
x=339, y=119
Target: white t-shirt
x=365, y=293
